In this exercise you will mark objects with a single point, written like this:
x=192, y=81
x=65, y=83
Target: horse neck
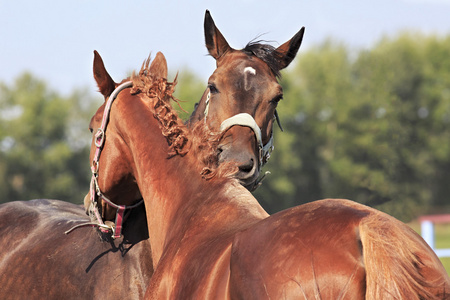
x=177, y=199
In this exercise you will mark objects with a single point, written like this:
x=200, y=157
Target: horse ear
x=104, y=82
x=215, y=42
x=289, y=49
x=159, y=66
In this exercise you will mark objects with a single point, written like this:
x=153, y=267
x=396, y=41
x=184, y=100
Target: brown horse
x=211, y=239
x=38, y=261
x=241, y=99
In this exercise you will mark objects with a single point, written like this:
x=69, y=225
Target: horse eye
x=212, y=88
x=276, y=99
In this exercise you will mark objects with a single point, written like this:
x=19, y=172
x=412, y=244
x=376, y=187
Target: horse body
x=334, y=249
x=311, y=262
x=38, y=259
x=188, y=244
x=212, y=240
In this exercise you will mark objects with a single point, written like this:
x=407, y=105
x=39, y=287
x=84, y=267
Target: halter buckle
x=99, y=138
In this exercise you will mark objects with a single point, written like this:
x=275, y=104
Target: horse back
x=335, y=249
x=312, y=251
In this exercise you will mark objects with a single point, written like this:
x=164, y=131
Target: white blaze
x=250, y=70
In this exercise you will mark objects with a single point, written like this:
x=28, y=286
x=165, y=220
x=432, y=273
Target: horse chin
x=251, y=184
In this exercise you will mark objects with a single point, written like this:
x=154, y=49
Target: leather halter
x=95, y=193
x=245, y=119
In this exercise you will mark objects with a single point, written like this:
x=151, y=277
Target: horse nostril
x=247, y=167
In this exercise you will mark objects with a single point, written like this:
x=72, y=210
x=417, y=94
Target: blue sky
x=55, y=39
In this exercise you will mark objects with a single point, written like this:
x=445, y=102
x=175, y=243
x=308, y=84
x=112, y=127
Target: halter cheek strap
x=94, y=191
x=208, y=97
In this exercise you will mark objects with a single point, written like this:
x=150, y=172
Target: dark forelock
x=267, y=53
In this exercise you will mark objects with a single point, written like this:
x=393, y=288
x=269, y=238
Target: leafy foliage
x=189, y=90
x=373, y=128
x=43, y=146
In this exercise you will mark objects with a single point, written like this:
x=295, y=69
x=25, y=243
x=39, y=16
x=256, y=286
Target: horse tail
x=399, y=264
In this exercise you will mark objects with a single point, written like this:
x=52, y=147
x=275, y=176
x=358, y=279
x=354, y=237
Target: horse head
x=241, y=98
x=118, y=184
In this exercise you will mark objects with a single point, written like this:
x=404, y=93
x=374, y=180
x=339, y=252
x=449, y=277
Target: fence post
x=427, y=231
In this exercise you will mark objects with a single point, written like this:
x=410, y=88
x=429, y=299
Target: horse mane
x=160, y=92
x=267, y=53
x=180, y=139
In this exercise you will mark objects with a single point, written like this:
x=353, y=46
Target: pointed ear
x=215, y=42
x=104, y=82
x=288, y=50
x=159, y=66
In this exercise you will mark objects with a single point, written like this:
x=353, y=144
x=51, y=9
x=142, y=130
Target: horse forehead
x=243, y=63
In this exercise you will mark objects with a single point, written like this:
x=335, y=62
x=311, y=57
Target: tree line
x=370, y=125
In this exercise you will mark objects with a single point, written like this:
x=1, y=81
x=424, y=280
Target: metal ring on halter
x=99, y=138
x=208, y=97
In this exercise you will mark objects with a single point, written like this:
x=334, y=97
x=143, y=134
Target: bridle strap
x=94, y=191
x=100, y=134
x=245, y=119
x=208, y=97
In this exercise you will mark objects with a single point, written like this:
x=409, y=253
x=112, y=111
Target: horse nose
x=245, y=162
x=246, y=168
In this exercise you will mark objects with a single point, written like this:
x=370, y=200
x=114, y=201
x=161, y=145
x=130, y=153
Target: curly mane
x=160, y=92
x=179, y=137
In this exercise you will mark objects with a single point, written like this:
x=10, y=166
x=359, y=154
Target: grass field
x=442, y=239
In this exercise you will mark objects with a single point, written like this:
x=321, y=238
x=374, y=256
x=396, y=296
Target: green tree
x=309, y=113
x=44, y=142
x=189, y=90
x=370, y=126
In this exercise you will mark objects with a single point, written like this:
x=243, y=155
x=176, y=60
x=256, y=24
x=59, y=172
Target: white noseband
x=244, y=119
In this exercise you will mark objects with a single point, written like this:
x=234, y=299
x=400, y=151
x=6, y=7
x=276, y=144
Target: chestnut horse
x=212, y=240
x=241, y=99
x=38, y=261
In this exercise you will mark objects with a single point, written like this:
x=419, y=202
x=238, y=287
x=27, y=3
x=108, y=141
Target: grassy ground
x=442, y=239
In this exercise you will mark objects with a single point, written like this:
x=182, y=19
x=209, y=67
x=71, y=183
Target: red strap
x=119, y=221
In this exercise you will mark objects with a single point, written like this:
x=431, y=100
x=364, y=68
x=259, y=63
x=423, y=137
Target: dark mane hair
x=267, y=53
x=179, y=137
